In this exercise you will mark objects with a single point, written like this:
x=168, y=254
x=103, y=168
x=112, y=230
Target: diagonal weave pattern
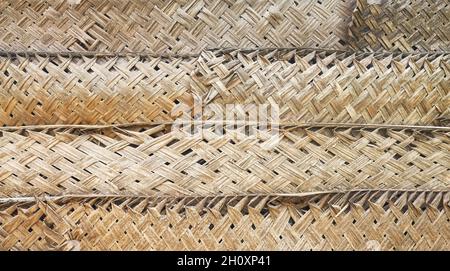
x=307, y=85
x=174, y=26
x=351, y=221
x=150, y=161
x=99, y=100
x=404, y=25
x=324, y=87
x=91, y=90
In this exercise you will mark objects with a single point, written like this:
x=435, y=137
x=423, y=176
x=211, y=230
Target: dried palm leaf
x=365, y=220
x=154, y=161
x=404, y=25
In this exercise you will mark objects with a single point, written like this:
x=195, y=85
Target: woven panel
x=149, y=161
x=182, y=26
x=353, y=221
x=404, y=25
x=322, y=87
x=308, y=86
x=99, y=100
x=91, y=90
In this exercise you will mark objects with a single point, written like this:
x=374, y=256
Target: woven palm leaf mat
x=313, y=87
x=153, y=161
x=95, y=90
x=404, y=25
x=174, y=26
x=365, y=220
x=309, y=86
x=103, y=142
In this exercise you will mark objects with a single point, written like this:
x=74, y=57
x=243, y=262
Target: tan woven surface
x=174, y=26
x=149, y=161
x=404, y=25
x=91, y=157
x=91, y=90
x=351, y=221
x=322, y=87
x=308, y=86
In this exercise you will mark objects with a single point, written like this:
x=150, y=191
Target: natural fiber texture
x=96, y=156
x=325, y=87
x=174, y=26
x=404, y=25
x=153, y=162
x=91, y=90
x=351, y=221
x=309, y=87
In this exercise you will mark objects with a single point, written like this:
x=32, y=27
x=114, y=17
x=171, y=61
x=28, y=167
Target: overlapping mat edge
x=354, y=220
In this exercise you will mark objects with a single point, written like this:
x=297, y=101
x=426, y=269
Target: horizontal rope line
x=292, y=125
x=216, y=50
x=273, y=195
